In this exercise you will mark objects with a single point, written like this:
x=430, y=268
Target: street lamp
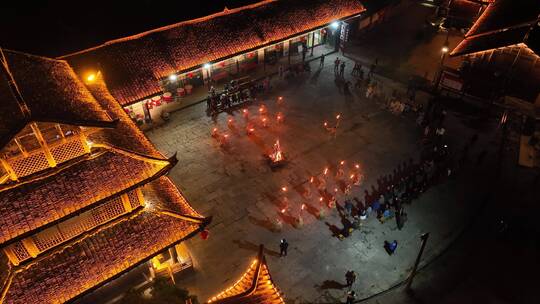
x=444, y=50
x=173, y=77
x=334, y=25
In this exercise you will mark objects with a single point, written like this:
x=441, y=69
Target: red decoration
x=204, y=234
x=190, y=75
x=250, y=55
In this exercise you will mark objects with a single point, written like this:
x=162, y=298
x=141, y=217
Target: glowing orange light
x=357, y=166
x=244, y=111
x=226, y=136
x=352, y=176
x=335, y=189
x=321, y=199
x=280, y=98
x=276, y=155
x=303, y=207
x=91, y=77
x=283, y=210
x=325, y=171
x=325, y=124
x=338, y=116
x=230, y=120
x=284, y=189
x=342, y=162
x=312, y=179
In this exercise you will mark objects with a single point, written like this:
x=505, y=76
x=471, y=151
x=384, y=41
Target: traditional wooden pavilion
x=254, y=287
x=83, y=193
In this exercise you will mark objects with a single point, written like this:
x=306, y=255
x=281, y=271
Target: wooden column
x=43, y=144
x=8, y=169
x=126, y=203
x=30, y=247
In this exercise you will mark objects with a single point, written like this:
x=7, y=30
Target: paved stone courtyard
x=237, y=187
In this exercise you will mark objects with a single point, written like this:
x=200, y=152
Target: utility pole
x=424, y=237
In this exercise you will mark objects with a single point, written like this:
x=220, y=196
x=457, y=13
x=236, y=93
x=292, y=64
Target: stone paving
x=237, y=187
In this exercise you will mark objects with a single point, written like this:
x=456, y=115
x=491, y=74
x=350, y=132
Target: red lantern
x=204, y=234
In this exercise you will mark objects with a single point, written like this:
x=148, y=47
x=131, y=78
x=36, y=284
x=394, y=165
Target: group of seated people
x=233, y=94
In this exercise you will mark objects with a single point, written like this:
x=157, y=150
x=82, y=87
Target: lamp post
x=424, y=237
x=444, y=50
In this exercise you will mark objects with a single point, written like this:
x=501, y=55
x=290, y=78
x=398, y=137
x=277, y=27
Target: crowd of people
x=233, y=94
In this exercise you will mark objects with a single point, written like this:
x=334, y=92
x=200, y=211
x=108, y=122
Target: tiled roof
x=31, y=205
x=491, y=41
x=503, y=23
x=254, y=287
x=126, y=135
x=34, y=88
x=504, y=14
x=102, y=255
x=133, y=65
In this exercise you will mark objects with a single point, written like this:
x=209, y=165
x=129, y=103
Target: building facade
x=83, y=193
x=148, y=71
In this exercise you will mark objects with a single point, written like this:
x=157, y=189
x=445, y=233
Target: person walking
x=350, y=277
x=390, y=247
x=336, y=65
x=321, y=64
x=342, y=69
x=283, y=245
x=351, y=296
x=348, y=207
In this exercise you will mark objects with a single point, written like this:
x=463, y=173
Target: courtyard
x=236, y=186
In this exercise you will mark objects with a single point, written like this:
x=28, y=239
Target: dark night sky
x=54, y=28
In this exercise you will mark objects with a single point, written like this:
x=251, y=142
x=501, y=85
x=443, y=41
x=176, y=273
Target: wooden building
x=503, y=47
x=216, y=48
x=83, y=193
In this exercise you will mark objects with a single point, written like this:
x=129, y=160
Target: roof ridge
x=517, y=26
x=34, y=55
x=167, y=27
x=13, y=87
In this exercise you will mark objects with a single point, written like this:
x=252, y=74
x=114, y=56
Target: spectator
x=283, y=245
x=336, y=65
x=350, y=277
x=351, y=296
x=390, y=247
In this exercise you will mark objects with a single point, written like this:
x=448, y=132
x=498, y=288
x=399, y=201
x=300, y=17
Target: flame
x=325, y=124
x=312, y=179
x=303, y=207
x=338, y=116
x=284, y=189
x=342, y=162
x=325, y=171
x=277, y=155
x=230, y=120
